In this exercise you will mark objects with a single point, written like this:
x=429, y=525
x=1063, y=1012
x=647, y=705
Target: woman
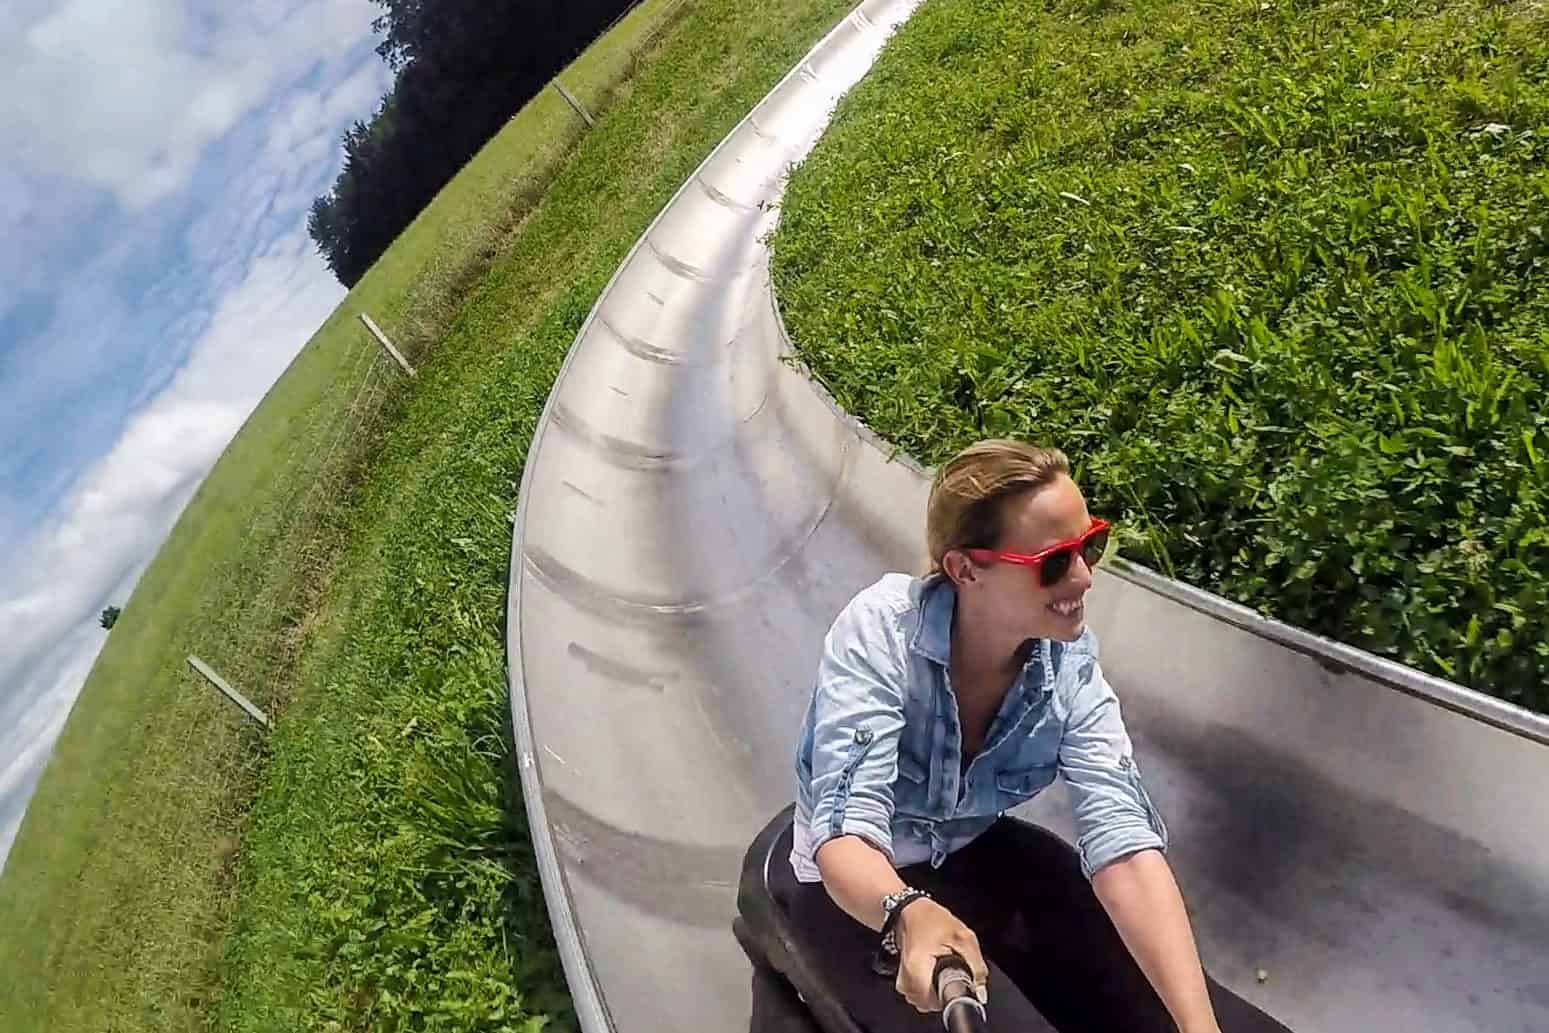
x=940, y=703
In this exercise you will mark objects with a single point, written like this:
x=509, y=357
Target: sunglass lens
x=1054, y=568
x=1095, y=547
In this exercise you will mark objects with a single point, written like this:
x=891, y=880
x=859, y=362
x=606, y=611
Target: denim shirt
x=880, y=750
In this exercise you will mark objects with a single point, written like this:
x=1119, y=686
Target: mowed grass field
x=365, y=865
x=1273, y=272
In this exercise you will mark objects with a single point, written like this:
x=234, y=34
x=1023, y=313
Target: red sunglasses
x=1054, y=562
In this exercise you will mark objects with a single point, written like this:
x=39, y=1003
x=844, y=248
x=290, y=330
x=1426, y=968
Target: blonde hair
x=968, y=493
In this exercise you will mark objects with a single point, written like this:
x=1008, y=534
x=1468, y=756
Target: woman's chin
x=1064, y=627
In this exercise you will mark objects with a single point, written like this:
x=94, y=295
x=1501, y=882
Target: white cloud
x=131, y=290
x=122, y=508
x=17, y=196
x=125, y=95
x=180, y=313
x=300, y=136
x=31, y=726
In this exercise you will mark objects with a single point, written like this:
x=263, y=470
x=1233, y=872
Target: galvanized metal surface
x=693, y=514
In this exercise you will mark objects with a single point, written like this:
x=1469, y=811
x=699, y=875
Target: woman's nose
x=1080, y=573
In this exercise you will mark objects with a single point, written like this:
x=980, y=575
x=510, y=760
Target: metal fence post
x=387, y=345
x=231, y=693
x=574, y=104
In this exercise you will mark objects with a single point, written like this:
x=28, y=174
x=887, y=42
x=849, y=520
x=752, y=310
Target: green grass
x=391, y=885
x=1273, y=273
x=344, y=564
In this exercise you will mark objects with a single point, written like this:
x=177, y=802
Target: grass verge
x=1272, y=272
x=383, y=878
x=120, y=897
x=388, y=881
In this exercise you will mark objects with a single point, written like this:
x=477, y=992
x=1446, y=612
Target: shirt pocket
x=918, y=738
x=1019, y=786
x=911, y=793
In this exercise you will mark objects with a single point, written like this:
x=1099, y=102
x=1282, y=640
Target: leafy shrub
x=1271, y=272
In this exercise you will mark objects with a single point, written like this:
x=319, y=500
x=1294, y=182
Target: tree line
x=462, y=68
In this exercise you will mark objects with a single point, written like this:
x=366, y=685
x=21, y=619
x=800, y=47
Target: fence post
x=231, y=693
x=579, y=110
x=387, y=345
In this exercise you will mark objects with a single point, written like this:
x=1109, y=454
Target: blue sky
x=157, y=159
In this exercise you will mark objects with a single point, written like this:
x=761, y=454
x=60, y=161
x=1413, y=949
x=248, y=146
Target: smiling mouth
x=1068, y=607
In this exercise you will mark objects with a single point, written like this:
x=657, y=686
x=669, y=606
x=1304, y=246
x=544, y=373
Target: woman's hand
x=927, y=931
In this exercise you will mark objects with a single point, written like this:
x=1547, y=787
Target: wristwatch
x=892, y=908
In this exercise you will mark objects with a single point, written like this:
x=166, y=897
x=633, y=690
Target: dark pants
x=1055, y=959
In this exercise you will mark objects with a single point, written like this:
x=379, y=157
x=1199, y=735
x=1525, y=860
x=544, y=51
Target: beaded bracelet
x=899, y=901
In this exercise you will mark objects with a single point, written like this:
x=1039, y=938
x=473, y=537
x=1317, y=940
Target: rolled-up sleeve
x=1114, y=815
x=858, y=718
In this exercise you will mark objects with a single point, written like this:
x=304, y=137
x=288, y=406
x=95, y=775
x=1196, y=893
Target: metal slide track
x=695, y=511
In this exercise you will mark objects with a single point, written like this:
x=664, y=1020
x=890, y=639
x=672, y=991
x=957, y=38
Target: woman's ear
x=957, y=566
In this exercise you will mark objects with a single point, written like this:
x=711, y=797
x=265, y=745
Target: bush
x=1271, y=272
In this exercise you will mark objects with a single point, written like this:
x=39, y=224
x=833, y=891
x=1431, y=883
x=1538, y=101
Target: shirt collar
x=933, y=637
